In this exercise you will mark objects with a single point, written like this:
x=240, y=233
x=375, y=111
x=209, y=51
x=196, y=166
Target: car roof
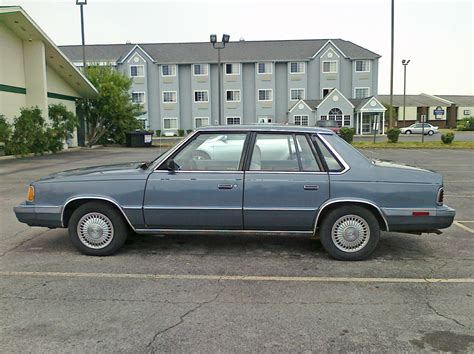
x=266, y=128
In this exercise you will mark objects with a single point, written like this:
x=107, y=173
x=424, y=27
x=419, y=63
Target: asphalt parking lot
x=252, y=294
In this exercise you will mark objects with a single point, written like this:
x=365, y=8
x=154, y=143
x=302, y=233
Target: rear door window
x=331, y=161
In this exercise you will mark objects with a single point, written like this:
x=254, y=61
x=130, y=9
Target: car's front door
x=285, y=184
x=205, y=188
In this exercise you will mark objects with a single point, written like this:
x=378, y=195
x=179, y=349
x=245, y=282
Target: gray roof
x=412, y=100
x=241, y=51
x=460, y=100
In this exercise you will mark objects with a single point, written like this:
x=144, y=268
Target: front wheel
x=350, y=233
x=408, y=132
x=97, y=229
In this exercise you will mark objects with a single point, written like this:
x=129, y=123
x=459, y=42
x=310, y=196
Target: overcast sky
x=436, y=35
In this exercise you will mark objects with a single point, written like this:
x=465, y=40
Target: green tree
x=29, y=134
x=62, y=126
x=5, y=129
x=112, y=114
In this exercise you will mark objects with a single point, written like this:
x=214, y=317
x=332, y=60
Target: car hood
x=116, y=171
x=387, y=171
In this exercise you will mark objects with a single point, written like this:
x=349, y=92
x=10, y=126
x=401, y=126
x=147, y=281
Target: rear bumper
x=403, y=220
x=33, y=215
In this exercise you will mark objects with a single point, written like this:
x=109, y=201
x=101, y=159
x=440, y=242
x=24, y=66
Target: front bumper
x=402, y=219
x=33, y=215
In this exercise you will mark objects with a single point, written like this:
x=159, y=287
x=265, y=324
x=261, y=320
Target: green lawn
x=414, y=145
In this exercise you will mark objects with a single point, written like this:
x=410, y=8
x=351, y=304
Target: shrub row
x=466, y=124
x=30, y=133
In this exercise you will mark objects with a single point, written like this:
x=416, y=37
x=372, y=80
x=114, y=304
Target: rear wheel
x=430, y=132
x=350, y=233
x=97, y=229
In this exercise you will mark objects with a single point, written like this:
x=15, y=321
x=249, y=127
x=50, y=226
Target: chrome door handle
x=225, y=186
x=311, y=187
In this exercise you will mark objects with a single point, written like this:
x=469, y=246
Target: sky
x=437, y=36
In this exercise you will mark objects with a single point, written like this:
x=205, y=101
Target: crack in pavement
x=182, y=317
x=22, y=242
x=428, y=303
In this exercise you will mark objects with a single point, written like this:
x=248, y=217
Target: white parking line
x=235, y=277
x=464, y=227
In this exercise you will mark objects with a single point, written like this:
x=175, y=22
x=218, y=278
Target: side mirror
x=172, y=165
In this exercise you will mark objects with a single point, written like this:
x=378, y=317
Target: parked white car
x=417, y=128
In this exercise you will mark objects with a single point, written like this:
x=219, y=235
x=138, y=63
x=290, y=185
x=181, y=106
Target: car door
x=285, y=183
x=203, y=191
x=418, y=128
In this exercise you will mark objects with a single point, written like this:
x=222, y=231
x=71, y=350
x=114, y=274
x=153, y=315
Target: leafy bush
x=466, y=124
x=158, y=132
x=347, y=134
x=29, y=134
x=189, y=131
x=5, y=129
x=63, y=125
x=393, y=134
x=180, y=132
x=447, y=138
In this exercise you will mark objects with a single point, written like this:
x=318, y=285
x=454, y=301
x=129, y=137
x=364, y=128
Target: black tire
x=430, y=132
x=107, y=215
x=408, y=132
x=365, y=245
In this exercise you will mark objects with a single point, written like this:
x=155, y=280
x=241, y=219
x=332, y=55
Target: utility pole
x=391, y=118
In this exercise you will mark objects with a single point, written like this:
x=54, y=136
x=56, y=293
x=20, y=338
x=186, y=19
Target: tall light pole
x=219, y=46
x=391, y=122
x=404, y=63
x=81, y=132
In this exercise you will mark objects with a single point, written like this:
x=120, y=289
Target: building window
x=201, y=96
x=362, y=66
x=324, y=117
x=232, y=120
x=330, y=67
x=296, y=67
x=336, y=114
x=301, y=120
x=143, y=123
x=326, y=91
x=233, y=95
x=264, y=120
x=297, y=94
x=361, y=92
x=168, y=70
x=138, y=97
x=169, y=96
x=264, y=68
x=137, y=70
x=201, y=122
x=232, y=69
x=170, y=123
x=200, y=69
x=347, y=120
x=265, y=95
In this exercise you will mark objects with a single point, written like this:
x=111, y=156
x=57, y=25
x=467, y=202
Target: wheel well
x=376, y=212
x=70, y=207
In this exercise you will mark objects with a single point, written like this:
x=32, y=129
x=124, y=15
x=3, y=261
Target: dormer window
x=362, y=66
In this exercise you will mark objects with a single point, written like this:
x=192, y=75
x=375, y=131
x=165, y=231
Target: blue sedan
x=258, y=179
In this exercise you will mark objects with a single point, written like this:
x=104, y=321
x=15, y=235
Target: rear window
x=331, y=161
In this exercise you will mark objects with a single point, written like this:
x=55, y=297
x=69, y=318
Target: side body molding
x=349, y=200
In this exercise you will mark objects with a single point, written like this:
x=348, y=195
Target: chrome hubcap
x=350, y=233
x=95, y=230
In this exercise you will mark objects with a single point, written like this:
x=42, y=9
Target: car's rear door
x=205, y=192
x=285, y=183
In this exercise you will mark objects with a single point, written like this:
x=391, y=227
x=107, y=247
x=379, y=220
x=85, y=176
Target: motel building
x=33, y=71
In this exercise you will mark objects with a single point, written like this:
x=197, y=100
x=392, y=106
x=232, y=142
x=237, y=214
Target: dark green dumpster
x=139, y=139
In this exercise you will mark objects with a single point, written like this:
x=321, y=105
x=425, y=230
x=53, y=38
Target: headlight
x=31, y=194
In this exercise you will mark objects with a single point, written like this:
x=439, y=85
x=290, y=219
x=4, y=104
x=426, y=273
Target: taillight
x=440, y=197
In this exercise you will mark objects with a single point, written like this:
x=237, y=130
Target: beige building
x=33, y=71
